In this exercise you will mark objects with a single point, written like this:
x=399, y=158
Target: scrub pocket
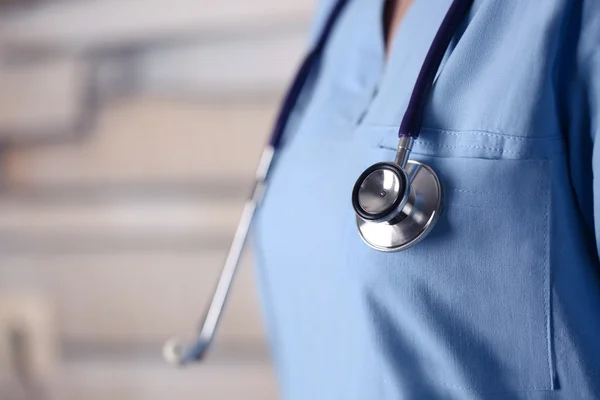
x=468, y=308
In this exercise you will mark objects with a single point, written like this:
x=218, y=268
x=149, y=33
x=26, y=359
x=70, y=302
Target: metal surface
x=405, y=145
x=418, y=216
x=379, y=191
x=174, y=351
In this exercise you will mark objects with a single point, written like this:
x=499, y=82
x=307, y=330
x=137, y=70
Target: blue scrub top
x=502, y=300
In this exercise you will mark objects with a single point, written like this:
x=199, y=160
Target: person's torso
x=502, y=299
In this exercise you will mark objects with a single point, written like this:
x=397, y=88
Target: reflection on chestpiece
x=397, y=203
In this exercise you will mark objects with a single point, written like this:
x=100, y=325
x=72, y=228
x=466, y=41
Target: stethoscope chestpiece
x=380, y=192
x=397, y=204
x=396, y=207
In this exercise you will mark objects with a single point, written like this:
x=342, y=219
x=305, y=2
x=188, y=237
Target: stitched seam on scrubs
x=544, y=189
x=493, y=391
x=469, y=205
x=490, y=134
x=479, y=132
x=475, y=192
x=502, y=151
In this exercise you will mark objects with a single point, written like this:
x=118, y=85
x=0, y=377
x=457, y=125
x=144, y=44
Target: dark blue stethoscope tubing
x=412, y=120
x=310, y=61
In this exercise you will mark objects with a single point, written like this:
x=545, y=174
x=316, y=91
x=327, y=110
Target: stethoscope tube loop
x=176, y=352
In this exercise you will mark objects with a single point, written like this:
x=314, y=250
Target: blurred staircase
x=129, y=135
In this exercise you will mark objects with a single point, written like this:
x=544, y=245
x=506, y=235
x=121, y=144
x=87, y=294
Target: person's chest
x=393, y=13
x=491, y=131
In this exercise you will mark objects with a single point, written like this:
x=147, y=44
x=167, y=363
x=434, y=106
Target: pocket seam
x=490, y=134
x=430, y=143
x=543, y=188
x=480, y=132
x=481, y=192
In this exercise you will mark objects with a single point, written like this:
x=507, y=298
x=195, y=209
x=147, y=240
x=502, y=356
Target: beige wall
x=123, y=173
x=120, y=237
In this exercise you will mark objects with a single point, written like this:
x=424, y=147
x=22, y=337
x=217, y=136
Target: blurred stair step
x=42, y=99
x=145, y=297
x=146, y=139
x=119, y=218
x=95, y=24
x=140, y=381
x=213, y=68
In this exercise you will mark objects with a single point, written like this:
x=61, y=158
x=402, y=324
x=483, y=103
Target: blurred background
x=129, y=135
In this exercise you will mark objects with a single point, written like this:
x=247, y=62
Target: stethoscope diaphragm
x=396, y=207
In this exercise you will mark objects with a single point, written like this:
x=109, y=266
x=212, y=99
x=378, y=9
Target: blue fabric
x=502, y=300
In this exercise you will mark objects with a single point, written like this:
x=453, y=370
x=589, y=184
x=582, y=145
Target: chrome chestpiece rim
x=380, y=192
x=396, y=207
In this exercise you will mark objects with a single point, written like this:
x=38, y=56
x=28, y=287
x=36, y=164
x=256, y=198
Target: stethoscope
x=397, y=203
